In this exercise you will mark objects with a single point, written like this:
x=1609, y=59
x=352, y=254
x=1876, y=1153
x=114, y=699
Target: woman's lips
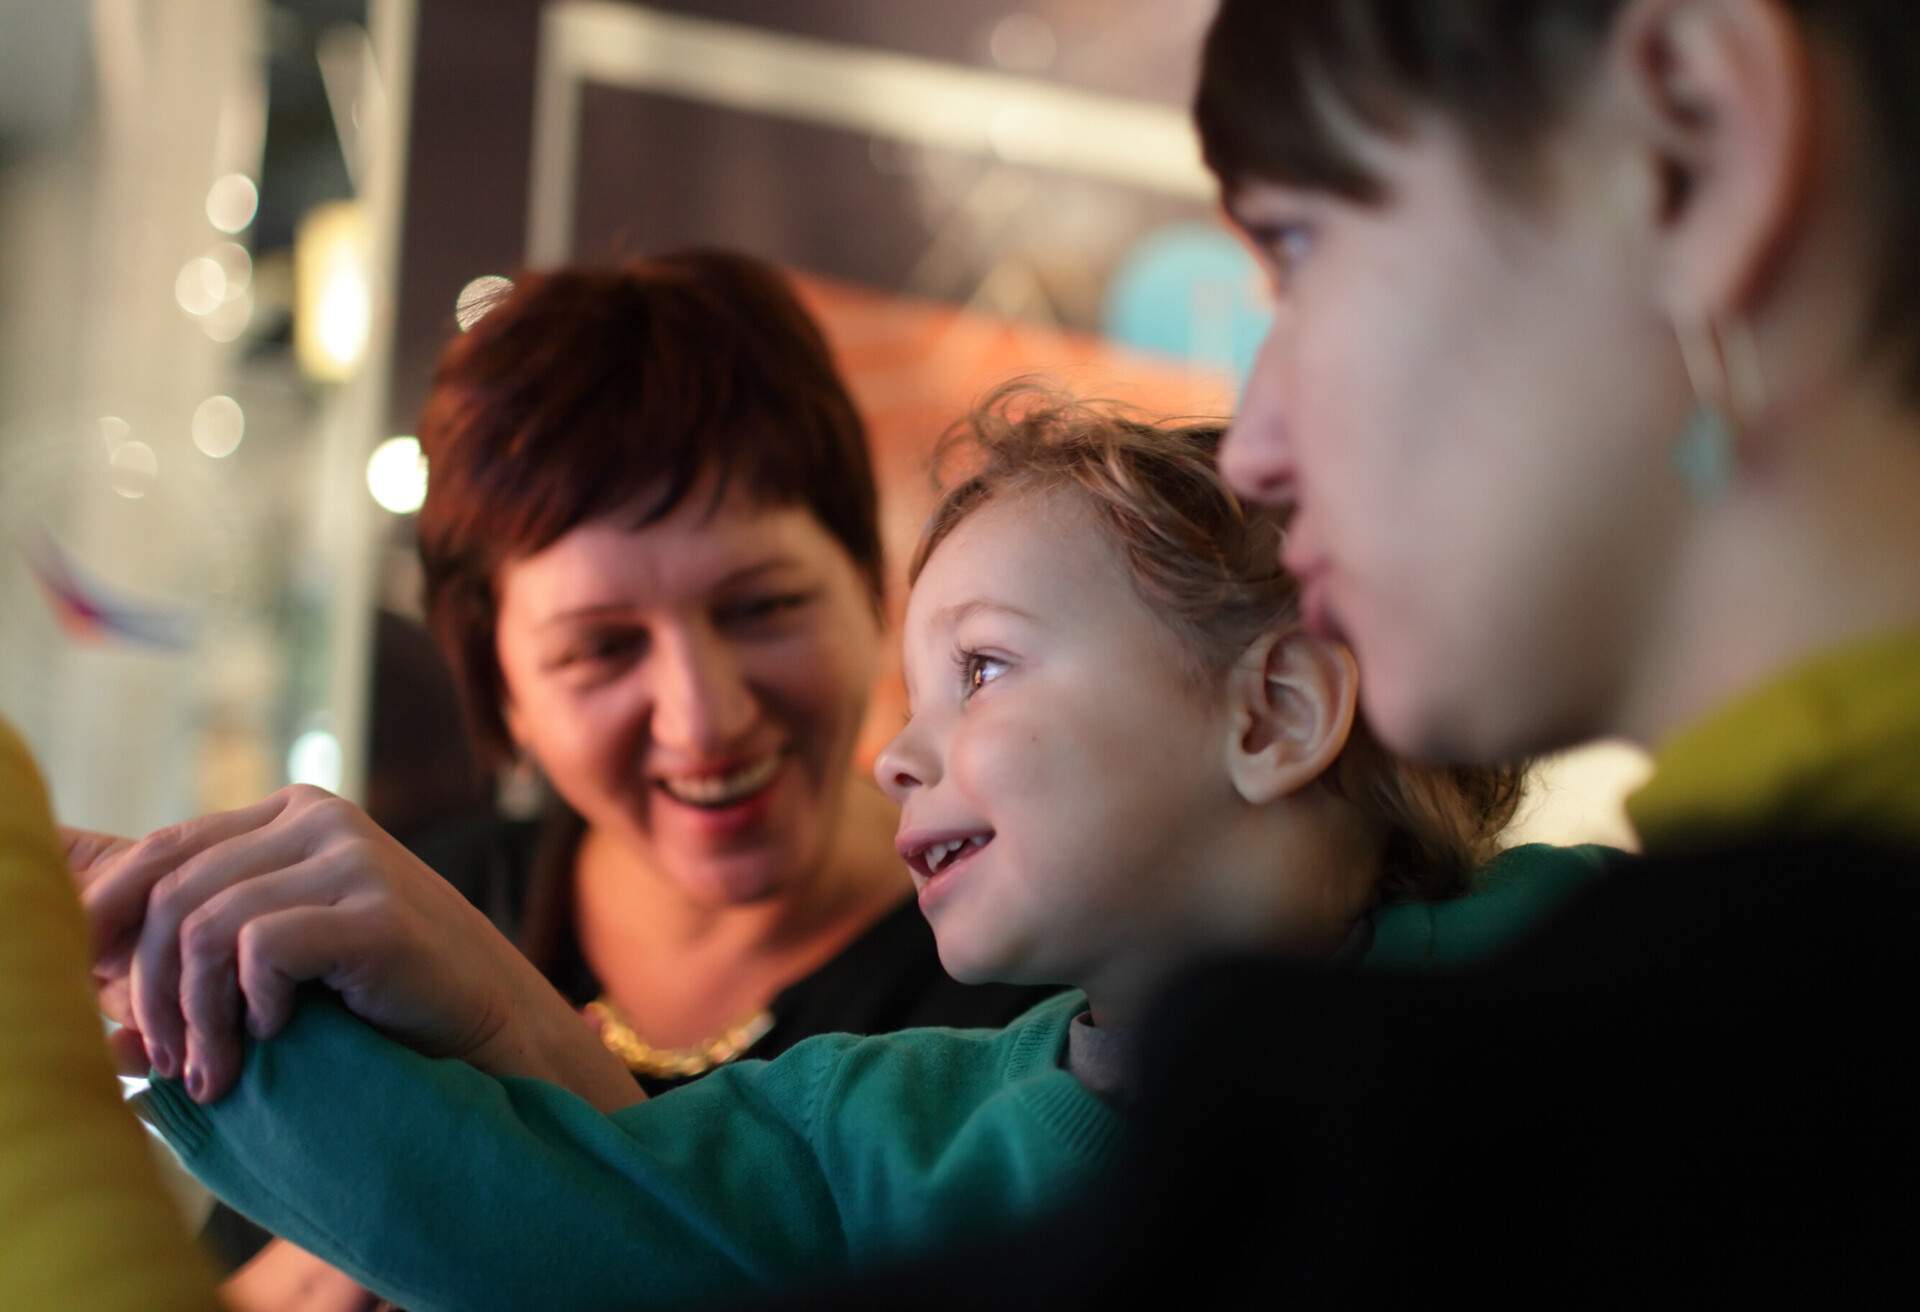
x=723, y=785
x=729, y=801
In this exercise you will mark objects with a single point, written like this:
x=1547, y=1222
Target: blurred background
x=234, y=235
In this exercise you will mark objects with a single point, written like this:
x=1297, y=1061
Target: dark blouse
x=520, y=873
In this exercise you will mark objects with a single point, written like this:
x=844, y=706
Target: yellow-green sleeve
x=84, y=1219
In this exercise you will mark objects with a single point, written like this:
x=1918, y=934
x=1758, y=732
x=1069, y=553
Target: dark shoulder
x=1700, y=1047
x=488, y=857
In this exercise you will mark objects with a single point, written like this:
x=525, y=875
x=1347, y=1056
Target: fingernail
x=162, y=1062
x=196, y=1083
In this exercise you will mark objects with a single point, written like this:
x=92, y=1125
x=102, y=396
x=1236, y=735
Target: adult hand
x=232, y=912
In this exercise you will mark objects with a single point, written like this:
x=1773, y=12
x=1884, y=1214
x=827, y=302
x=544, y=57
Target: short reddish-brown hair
x=587, y=394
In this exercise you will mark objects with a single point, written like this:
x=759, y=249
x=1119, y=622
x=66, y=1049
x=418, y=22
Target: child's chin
x=973, y=967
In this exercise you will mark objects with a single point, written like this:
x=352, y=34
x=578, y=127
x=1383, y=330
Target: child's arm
x=441, y=1187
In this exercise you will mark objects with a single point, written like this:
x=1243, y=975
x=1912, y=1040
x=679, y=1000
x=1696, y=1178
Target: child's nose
x=902, y=766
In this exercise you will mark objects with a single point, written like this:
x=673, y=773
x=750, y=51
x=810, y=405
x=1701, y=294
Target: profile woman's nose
x=1256, y=457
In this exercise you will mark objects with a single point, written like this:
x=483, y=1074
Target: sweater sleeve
x=442, y=1187
x=84, y=1219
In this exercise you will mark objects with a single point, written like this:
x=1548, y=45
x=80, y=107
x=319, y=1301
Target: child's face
x=1055, y=734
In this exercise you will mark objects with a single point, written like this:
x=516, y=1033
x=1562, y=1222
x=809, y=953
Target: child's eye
x=977, y=671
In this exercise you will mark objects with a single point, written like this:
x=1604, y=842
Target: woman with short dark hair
x=653, y=559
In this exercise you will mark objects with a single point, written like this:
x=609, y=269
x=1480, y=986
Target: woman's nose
x=1256, y=458
x=702, y=704
x=902, y=766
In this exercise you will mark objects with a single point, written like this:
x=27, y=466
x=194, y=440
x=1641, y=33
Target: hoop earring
x=1728, y=388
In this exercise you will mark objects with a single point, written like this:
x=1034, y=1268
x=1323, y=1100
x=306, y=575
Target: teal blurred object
x=1189, y=291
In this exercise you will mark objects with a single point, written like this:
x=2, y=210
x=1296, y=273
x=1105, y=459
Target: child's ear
x=1292, y=700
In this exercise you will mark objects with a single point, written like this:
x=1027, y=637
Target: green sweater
x=442, y=1187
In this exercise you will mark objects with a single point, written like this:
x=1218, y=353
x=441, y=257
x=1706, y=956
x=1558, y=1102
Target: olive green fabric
x=84, y=1219
x=1831, y=747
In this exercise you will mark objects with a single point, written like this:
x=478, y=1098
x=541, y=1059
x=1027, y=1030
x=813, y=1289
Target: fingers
x=89, y=852
x=212, y=942
x=116, y=899
x=280, y=952
x=177, y=895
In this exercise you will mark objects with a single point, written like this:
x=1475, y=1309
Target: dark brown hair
x=1208, y=567
x=587, y=394
x=1276, y=76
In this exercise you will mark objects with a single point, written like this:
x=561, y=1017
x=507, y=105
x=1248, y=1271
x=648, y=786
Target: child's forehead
x=1033, y=549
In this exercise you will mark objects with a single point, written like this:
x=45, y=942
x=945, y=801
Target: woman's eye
x=757, y=609
x=599, y=649
x=1286, y=247
x=978, y=671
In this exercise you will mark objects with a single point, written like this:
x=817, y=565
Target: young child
x=1124, y=751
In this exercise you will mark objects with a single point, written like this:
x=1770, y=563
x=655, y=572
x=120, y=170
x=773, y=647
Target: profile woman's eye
x=977, y=671
x=1285, y=248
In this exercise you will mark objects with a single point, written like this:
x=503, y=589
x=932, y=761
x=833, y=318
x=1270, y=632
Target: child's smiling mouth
x=930, y=855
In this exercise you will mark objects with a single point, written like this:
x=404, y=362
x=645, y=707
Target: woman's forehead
x=700, y=547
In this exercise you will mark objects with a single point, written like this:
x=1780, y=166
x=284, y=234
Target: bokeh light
x=218, y=426
x=200, y=286
x=397, y=475
x=134, y=468
x=232, y=202
x=314, y=759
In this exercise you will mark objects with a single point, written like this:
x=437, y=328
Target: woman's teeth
x=941, y=853
x=723, y=789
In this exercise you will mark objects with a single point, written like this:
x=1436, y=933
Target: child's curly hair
x=1209, y=567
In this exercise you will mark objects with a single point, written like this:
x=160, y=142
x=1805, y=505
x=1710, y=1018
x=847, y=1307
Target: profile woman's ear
x=1292, y=699
x=1720, y=96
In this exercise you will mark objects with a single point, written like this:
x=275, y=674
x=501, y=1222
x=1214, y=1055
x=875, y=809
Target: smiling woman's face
x=694, y=688
x=1058, y=738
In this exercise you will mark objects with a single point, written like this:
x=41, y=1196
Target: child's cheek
x=997, y=767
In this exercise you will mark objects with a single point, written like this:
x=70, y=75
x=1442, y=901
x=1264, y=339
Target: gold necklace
x=642, y=1058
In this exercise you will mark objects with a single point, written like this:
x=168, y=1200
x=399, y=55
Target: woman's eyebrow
x=622, y=609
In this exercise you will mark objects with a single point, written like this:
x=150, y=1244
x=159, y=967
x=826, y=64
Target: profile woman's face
x=1470, y=399
x=694, y=688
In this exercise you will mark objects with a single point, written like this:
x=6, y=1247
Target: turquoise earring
x=1724, y=368
x=1704, y=454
